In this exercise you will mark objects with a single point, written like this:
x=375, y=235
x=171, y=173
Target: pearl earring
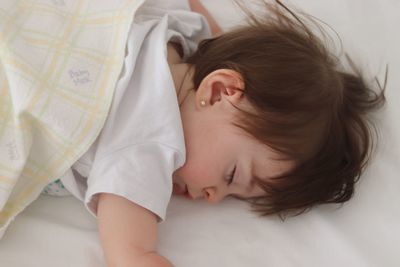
x=203, y=103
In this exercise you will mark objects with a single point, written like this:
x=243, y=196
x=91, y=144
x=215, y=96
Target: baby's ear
x=222, y=83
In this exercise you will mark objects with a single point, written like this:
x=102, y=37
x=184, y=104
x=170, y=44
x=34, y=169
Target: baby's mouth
x=178, y=190
x=181, y=191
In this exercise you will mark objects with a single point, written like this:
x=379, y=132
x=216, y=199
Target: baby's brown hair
x=307, y=107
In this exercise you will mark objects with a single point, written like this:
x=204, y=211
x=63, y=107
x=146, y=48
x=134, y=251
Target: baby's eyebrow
x=252, y=184
x=253, y=178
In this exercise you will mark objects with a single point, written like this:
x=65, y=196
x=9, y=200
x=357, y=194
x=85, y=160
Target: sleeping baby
x=264, y=113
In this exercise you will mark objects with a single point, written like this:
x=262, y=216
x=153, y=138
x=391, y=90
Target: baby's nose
x=212, y=195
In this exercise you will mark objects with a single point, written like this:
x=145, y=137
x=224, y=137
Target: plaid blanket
x=59, y=64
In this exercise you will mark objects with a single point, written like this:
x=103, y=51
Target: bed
x=362, y=232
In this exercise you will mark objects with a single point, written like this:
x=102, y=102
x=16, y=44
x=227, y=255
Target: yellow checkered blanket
x=59, y=64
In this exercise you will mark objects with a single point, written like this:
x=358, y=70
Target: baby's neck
x=182, y=79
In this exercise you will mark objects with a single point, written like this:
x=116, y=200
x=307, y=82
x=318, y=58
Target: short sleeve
x=140, y=173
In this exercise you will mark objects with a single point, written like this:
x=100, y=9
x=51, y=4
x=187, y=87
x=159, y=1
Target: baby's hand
x=197, y=6
x=128, y=233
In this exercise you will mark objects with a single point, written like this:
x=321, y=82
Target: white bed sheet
x=363, y=232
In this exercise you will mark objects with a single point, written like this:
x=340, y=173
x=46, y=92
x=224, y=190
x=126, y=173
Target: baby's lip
x=181, y=191
x=178, y=190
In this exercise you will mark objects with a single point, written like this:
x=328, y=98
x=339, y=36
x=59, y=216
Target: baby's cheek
x=185, y=172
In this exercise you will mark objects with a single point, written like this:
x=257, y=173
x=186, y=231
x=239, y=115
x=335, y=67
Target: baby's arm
x=128, y=233
x=197, y=6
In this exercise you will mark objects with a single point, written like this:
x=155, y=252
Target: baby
x=263, y=113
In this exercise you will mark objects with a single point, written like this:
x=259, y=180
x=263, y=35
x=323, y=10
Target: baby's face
x=221, y=159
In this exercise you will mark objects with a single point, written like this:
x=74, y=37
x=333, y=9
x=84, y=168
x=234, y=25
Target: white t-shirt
x=142, y=143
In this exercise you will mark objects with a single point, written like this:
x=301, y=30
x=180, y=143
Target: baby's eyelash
x=230, y=178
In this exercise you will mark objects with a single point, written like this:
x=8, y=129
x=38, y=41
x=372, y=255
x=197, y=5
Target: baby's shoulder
x=175, y=53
